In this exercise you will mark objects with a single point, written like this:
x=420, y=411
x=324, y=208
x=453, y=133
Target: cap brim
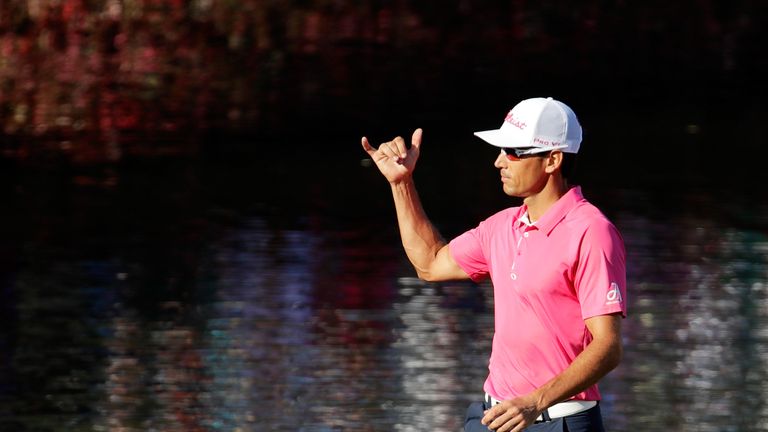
x=496, y=137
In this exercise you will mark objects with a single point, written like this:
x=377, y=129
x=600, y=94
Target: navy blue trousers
x=587, y=421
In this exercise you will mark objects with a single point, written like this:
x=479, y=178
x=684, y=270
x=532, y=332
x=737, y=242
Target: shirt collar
x=525, y=219
x=556, y=213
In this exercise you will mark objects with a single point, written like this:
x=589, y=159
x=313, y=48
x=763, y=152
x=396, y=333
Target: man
x=556, y=263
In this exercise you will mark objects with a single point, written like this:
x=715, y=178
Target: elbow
x=430, y=273
x=425, y=275
x=423, y=270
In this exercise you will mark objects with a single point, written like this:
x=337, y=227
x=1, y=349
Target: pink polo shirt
x=548, y=278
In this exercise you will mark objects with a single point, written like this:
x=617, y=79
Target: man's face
x=523, y=175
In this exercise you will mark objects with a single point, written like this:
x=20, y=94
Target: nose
x=500, y=161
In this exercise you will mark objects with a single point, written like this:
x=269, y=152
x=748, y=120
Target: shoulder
x=592, y=223
x=595, y=229
x=587, y=213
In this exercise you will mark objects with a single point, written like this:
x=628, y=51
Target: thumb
x=416, y=138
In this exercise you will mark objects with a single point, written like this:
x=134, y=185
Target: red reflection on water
x=171, y=67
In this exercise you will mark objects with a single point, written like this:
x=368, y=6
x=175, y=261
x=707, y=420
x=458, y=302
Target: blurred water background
x=194, y=241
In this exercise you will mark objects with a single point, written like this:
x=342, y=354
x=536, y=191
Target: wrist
x=541, y=401
x=403, y=182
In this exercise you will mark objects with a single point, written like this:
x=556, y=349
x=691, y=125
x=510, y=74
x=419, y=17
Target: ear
x=553, y=162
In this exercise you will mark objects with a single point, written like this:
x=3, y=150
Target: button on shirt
x=548, y=277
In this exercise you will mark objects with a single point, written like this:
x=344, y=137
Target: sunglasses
x=517, y=153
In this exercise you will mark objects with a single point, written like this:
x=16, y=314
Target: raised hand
x=394, y=160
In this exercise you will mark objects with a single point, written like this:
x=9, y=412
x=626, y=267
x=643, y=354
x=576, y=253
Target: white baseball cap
x=543, y=123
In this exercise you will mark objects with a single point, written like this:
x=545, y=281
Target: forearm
x=420, y=238
x=599, y=358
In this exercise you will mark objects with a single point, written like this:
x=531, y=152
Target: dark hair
x=568, y=167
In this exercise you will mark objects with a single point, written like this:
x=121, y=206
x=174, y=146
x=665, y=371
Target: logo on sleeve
x=614, y=294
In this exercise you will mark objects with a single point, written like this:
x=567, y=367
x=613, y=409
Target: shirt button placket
x=512, y=273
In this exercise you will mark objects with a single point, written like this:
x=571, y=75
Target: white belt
x=563, y=409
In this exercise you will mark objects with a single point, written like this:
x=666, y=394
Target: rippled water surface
x=187, y=297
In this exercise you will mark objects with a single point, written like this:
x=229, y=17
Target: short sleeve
x=600, y=278
x=467, y=251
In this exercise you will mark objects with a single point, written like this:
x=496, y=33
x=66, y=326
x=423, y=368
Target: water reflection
x=695, y=347
x=261, y=352
x=329, y=339
x=216, y=318
x=104, y=80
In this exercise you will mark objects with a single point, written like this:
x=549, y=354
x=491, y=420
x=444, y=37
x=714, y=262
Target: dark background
x=660, y=87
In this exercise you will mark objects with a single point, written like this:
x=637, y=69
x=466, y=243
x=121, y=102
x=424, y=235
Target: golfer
x=556, y=263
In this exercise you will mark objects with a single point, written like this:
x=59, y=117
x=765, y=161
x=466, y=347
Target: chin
x=509, y=191
x=513, y=192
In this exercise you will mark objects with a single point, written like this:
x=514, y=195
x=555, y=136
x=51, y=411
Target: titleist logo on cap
x=514, y=122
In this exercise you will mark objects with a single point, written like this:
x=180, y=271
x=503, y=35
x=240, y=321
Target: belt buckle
x=490, y=400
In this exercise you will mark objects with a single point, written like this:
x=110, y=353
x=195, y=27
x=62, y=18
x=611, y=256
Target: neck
x=539, y=203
